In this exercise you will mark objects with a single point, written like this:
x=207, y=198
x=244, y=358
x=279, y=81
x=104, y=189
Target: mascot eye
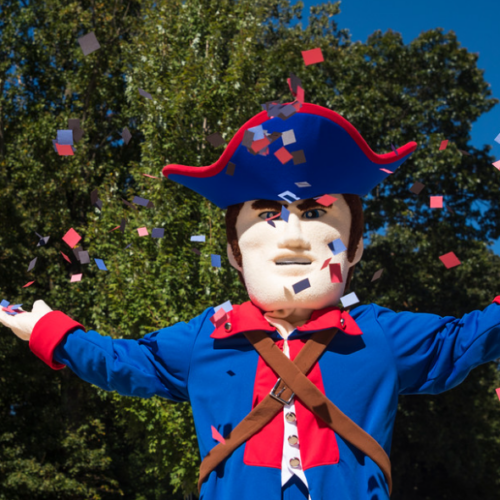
x=267, y=215
x=315, y=213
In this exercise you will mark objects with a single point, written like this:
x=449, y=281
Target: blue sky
x=477, y=25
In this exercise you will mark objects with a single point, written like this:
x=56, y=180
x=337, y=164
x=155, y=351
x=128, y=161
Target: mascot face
x=275, y=258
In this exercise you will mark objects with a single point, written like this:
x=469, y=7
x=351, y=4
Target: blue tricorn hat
x=323, y=154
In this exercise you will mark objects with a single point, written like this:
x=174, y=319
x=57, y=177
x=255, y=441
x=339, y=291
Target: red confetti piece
x=216, y=435
x=327, y=261
x=300, y=94
x=143, y=231
x=114, y=229
x=449, y=260
x=312, y=56
x=498, y=393
x=283, y=155
x=497, y=164
x=219, y=318
x=261, y=144
x=64, y=149
x=443, y=145
x=151, y=176
x=436, y=202
x=71, y=238
x=386, y=171
x=65, y=257
x=28, y=284
x=326, y=200
x=335, y=273
x=76, y=277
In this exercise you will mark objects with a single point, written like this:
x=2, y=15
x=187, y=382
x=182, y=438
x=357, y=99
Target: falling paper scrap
x=140, y=201
x=219, y=318
x=301, y=285
x=394, y=149
x=100, y=264
x=288, y=137
x=76, y=277
x=449, y=260
x=126, y=135
x=215, y=260
x=337, y=246
x=89, y=43
x=312, y=56
x=145, y=94
x=143, y=231
x=71, y=238
x=64, y=150
x=151, y=176
x=65, y=257
x=217, y=436
x=299, y=157
x=335, y=273
x=443, y=145
x=230, y=168
x=74, y=125
x=436, y=202
x=377, y=275
x=326, y=200
x=349, y=299
x=498, y=393
x=84, y=257
x=32, y=264
x=227, y=306
x=65, y=137
x=199, y=237
x=386, y=171
x=303, y=184
x=283, y=155
x=417, y=187
x=285, y=213
x=288, y=196
x=28, y=284
x=215, y=139
x=327, y=261
x=497, y=164
x=157, y=232
x=497, y=139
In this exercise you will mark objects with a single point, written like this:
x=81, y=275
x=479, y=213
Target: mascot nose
x=292, y=236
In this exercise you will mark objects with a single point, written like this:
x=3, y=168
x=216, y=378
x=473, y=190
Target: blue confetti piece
x=4, y=303
x=227, y=306
x=140, y=201
x=285, y=213
x=301, y=285
x=215, y=260
x=157, y=232
x=200, y=238
x=65, y=137
x=100, y=264
x=497, y=138
x=337, y=246
x=258, y=132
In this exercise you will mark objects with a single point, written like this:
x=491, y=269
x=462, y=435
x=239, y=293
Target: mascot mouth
x=293, y=261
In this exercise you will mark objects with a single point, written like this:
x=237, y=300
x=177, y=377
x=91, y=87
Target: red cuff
x=49, y=331
x=496, y=300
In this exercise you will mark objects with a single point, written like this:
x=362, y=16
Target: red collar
x=248, y=317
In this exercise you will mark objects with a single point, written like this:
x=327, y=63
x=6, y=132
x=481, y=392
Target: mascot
x=300, y=393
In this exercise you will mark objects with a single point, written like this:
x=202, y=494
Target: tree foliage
x=209, y=66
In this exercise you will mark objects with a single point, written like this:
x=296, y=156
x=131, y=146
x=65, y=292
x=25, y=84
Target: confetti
x=335, y=273
x=498, y=393
x=64, y=137
x=227, y=306
x=100, y=264
x=298, y=157
x=196, y=251
x=300, y=94
x=145, y=94
x=4, y=303
x=449, y=260
x=126, y=135
x=142, y=231
x=312, y=56
x=497, y=139
x=417, y=187
x=151, y=176
x=288, y=196
x=386, y=171
x=123, y=223
x=283, y=155
x=497, y=164
x=230, y=168
x=88, y=43
x=464, y=152
x=377, y=275
x=140, y=201
x=436, y=202
x=349, y=299
x=199, y=237
x=337, y=246
x=260, y=144
x=76, y=277
x=327, y=261
x=64, y=150
x=43, y=240
x=326, y=200
x=71, y=238
x=301, y=285
x=285, y=213
x=28, y=284
x=129, y=204
x=215, y=260
x=219, y=318
x=158, y=232
x=394, y=149
x=303, y=184
x=66, y=257
x=32, y=264
x=216, y=139
x=288, y=137
x=443, y=145
x=217, y=436
x=84, y=257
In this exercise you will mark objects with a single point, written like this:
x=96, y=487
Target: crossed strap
x=293, y=381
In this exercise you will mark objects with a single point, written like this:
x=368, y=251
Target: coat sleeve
x=434, y=353
x=157, y=364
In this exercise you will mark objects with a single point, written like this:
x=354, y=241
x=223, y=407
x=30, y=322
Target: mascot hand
x=22, y=324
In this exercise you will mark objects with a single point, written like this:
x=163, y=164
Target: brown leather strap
x=318, y=403
x=268, y=407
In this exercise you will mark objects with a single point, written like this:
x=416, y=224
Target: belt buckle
x=277, y=396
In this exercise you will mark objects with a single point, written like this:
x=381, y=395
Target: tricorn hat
x=290, y=152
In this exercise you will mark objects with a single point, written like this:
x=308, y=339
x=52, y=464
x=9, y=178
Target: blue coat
x=378, y=355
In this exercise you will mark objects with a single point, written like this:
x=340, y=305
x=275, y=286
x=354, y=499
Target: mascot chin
x=293, y=397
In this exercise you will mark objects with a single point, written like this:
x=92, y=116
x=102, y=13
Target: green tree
x=209, y=66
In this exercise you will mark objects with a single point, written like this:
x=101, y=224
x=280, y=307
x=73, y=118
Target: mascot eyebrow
x=276, y=205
